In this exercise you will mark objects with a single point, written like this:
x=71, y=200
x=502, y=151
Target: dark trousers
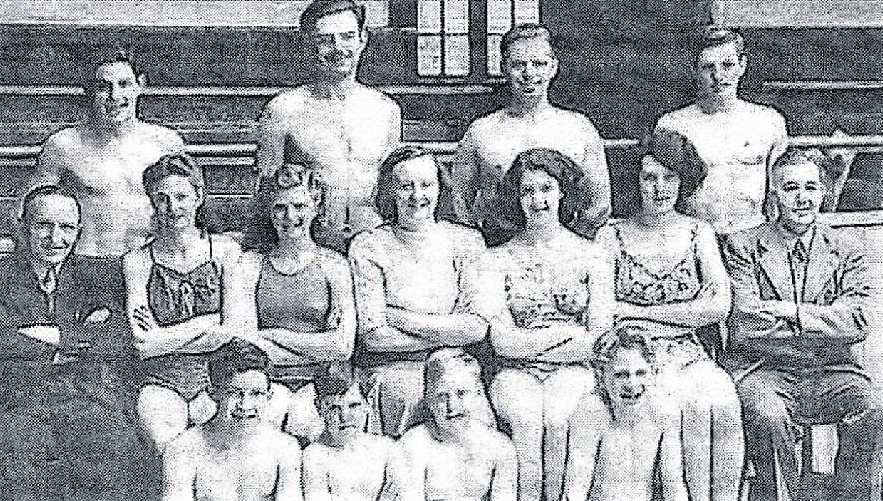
x=777, y=402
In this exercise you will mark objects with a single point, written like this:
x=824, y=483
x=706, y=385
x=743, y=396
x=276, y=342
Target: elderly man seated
x=63, y=341
x=801, y=297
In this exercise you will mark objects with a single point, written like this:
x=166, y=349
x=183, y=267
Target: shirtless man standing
x=619, y=458
x=333, y=123
x=236, y=456
x=101, y=160
x=529, y=121
x=454, y=456
x=738, y=140
x=345, y=463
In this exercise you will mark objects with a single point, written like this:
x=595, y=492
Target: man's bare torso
x=355, y=472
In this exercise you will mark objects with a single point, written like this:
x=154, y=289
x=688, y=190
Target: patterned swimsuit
x=638, y=284
x=175, y=297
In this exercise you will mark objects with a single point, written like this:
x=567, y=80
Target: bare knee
x=162, y=413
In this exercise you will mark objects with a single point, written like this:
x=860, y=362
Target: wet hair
x=44, y=191
x=443, y=360
x=677, y=153
x=527, y=31
x=715, y=36
x=387, y=180
x=554, y=163
x=235, y=358
x=336, y=383
x=318, y=9
x=106, y=55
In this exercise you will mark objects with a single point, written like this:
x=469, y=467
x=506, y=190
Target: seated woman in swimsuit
x=294, y=300
x=669, y=277
x=415, y=281
x=547, y=294
x=173, y=289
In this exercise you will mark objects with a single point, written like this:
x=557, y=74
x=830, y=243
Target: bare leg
x=517, y=398
x=201, y=409
x=162, y=413
x=562, y=391
x=303, y=419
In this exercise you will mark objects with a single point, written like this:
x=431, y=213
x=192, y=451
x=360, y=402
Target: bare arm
x=336, y=343
x=596, y=181
x=587, y=426
x=671, y=465
x=369, y=285
x=151, y=340
x=504, y=482
x=271, y=135
x=464, y=180
x=711, y=305
x=288, y=484
x=179, y=470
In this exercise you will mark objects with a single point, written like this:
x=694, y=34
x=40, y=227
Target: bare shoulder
x=416, y=440
x=487, y=125
x=578, y=120
x=281, y=444
x=187, y=446
x=166, y=137
x=334, y=261
x=224, y=245
x=379, y=100
x=288, y=103
x=463, y=235
x=67, y=138
x=675, y=120
x=315, y=453
x=137, y=258
x=498, y=445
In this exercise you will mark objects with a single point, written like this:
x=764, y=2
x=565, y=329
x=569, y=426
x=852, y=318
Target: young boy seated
x=455, y=455
x=345, y=463
x=622, y=441
x=237, y=454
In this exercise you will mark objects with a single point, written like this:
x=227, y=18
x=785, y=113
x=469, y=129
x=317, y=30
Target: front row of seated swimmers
x=547, y=297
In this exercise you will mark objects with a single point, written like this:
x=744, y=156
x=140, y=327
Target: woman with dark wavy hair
x=670, y=279
x=415, y=279
x=173, y=286
x=547, y=294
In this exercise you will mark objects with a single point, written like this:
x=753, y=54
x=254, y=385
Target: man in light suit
x=800, y=296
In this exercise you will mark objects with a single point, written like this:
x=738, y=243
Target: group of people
x=389, y=327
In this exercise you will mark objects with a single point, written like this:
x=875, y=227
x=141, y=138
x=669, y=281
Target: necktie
x=799, y=258
x=48, y=284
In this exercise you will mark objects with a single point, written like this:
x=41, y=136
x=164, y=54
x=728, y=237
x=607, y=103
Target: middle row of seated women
x=543, y=300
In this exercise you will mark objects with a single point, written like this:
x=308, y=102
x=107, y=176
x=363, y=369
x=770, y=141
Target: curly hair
x=261, y=235
x=177, y=164
x=625, y=338
x=557, y=165
x=234, y=358
x=387, y=181
x=675, y=152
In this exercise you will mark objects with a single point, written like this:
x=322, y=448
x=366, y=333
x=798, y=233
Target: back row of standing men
x=341, y=131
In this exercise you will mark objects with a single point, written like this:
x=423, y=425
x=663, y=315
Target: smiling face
x=293, y=211
x=243, y=402
x=52, y=227
x=798, y=190
x=530, y=67
x=658, y=185
x=175, y=202
x=115, y=92
x=452, y=398
x=345, y=415
x=337, y=44
x=540, y=196
x=627, y=378
x=416, y=191
x=718, y=71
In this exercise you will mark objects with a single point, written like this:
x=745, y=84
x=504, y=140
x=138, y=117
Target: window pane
x=429, y=57
x=457, y=55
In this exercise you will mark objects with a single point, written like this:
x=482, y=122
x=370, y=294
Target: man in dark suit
x=800, y=308
x=65, y=351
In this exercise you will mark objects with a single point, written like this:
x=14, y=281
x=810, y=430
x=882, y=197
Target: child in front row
x=622, y=439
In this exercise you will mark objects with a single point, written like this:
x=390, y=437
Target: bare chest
x=240, y=477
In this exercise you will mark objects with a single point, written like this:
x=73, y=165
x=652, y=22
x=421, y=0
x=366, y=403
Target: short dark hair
x=625, y=338
x=715, y=36
x=44, y=191
x=261, y=234
x=527, y=31
x=336, y=383
x=828, y=167
x=106, y=55
x=554, y=163
x=387, y=182
x=318, y=9
x=677, y=153
x=235, y=358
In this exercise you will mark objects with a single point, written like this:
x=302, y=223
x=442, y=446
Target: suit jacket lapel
x=773, y=257
x=821, y=264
